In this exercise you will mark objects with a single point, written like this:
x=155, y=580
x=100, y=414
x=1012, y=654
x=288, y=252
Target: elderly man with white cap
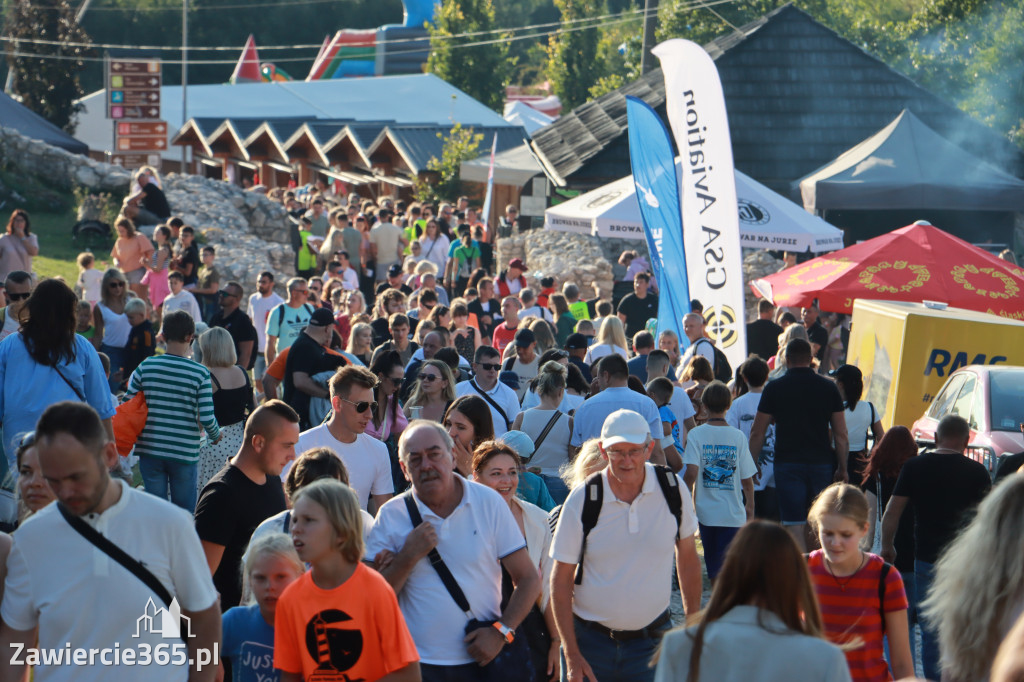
x=613, y=548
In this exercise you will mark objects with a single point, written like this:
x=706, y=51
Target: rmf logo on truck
x=945, y=362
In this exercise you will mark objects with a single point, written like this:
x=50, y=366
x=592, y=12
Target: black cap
x=321, y=317
x=576, y=341
x=395, y=270
x=524, y=338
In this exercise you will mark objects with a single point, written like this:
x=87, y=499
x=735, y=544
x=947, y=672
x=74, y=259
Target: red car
x=991, y=399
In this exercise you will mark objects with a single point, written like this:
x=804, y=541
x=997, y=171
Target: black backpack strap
x=669, y=484
x=437, y=562
x=882, y=575
x=287, y=523
x=593, y=497
x=117, y=554
x=490, y=400
x=509, y=364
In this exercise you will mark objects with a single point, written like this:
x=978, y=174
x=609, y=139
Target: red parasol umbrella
x=915, y=263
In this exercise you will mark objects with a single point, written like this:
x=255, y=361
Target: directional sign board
x=133, y=161
x=133, y=88
x=139, y=136
x=133, y=128
x=141, y=143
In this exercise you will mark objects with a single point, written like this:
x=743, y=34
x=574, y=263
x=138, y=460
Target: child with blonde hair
x=350, y=609
x=89, y=279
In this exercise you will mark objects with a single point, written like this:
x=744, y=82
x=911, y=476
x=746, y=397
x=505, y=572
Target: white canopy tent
x=768, y=220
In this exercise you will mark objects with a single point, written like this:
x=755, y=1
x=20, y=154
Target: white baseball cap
x=625, y=426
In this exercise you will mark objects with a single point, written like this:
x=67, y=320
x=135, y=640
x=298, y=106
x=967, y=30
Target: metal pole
x=650, y=23
x=184, y=74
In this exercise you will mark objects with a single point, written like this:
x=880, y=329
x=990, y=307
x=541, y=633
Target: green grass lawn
x=57, y=250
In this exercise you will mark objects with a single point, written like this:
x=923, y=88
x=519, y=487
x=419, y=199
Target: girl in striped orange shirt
x=861, y=597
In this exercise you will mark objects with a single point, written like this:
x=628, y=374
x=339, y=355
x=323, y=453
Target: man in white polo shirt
x=500, y=398
x=474, y=534
x=612, y=618
x=365, y=457
x=612, y=376
x=65, y=595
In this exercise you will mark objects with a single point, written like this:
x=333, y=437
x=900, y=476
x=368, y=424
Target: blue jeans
x=797, y=484
x=116, y=356
x=556, y=486
x=910, y=587
x=614, y=661
x=923, y=573
x=160, y=476
x=716, y=540
x=260, y=368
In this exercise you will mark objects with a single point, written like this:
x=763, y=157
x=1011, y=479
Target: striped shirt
x=852, y=611
x=179, y=397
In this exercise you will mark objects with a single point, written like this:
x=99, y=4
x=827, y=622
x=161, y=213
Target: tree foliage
x=481, y=71
x=573, y=66
x=46, y=77
x=462, y=144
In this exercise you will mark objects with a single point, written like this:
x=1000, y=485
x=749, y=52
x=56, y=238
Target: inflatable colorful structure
x=385, y=50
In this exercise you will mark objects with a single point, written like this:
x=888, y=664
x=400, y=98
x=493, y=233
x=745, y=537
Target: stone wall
x=249, y=231
x=61, y=169
x=566, y=256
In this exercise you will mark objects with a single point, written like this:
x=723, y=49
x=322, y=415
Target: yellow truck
x=908, y=350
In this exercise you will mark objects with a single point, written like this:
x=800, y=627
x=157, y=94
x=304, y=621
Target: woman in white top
x=496, y=465
x=611, y=338
x=861, y=418
x=570, y=400
x=762, y=605
x=112, y=325
x=434, y=245
x=552, y=452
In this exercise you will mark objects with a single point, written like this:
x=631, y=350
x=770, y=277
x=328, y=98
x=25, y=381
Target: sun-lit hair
x=763, y=566
x=418, y=398
x=342, y=507
x=588, y=461
x=611, y=332
x=276, y=545
x=974, y=604
x=842, y=499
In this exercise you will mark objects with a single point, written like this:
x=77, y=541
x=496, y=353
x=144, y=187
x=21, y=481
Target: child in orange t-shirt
x=340, y=620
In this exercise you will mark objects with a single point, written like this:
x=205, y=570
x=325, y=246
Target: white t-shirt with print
x=741, y=416
x=259, y=311
x=723, y=457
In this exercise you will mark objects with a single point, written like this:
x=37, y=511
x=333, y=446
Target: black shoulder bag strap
x=68, y=382
x=117, y=554
x=547, y=429
x=669, y=484
x=882, y=575
x=437, y=562
x=592, y=501
x=489, y=399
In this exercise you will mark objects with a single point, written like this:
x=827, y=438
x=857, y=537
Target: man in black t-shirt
x=638, y=307
x=762, y=333
x=244, y=493
x=816, y=332
x=151, y=200
x=307, y=358
x=944, y=488
x=803, y=406
x=232, y=318
x=394, y=281
x=486, y=308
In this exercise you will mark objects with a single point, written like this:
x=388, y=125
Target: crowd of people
x=414, y=465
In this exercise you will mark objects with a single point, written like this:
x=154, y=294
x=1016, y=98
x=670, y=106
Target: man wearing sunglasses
x=18, y=286
x=233, y=318
x=306, y=358
x=365, y=457
x=500, y=398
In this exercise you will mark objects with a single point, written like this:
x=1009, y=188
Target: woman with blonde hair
x=762, y=622
x=974, y=605
x=111, y=323
x=360, y=342
x=232, y=402
x=589, y=460
x=345, y=317
x=545, y=337
x=611, y=338
x=432, y=392
x=777, y=362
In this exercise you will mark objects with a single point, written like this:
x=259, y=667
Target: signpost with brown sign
x=133, y=101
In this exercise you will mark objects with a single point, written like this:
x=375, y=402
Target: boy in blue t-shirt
x=660, y=390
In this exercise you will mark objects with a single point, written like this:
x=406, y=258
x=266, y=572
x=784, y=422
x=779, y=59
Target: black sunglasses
x=116, y=284
x=227, y=293
x=489, y=366
x=427, y=378
x=362, y=405
x=18, y=297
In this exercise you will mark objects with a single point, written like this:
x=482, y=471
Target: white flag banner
x=711, y=231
